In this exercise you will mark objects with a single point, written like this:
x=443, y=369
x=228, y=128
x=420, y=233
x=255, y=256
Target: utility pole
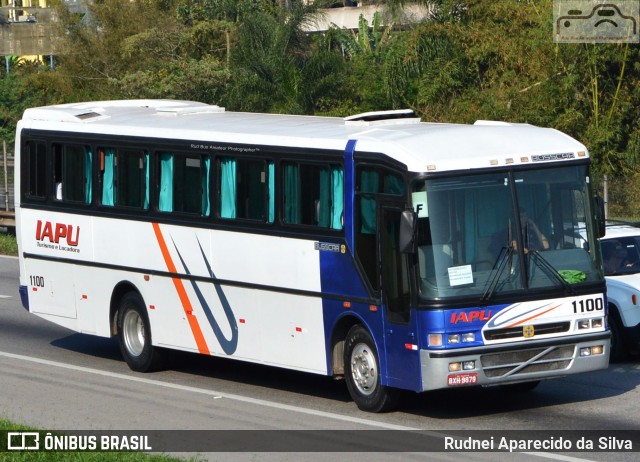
x=606, y=196
x=6, y=179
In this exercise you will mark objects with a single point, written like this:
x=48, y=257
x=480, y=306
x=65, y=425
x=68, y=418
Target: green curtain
x=228, y=188
x=146, y=180
x=291, y=194
x=206, y=187
x=165, y=203
x=88, y=170
x=108, y=178
x=369, y=181
x=337, y=194
x=394, y=185
x=272, y=192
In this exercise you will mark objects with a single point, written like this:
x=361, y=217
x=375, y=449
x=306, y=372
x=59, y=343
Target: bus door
x=401, y=336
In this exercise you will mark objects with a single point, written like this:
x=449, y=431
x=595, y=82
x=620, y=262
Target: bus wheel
x=362, y=373
x=134, y=335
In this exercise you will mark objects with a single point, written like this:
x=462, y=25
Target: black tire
x=618, y=351
x=134, y=336
x=362, y=373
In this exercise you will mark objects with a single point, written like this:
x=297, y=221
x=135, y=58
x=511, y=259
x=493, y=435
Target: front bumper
x=513, y=363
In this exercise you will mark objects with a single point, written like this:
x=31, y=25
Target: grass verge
x=8, y=243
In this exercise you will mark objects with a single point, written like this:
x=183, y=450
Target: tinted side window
x=36, y=170
x=184, y=183
x=313, y=194
x=72, y=173
x=246, y=189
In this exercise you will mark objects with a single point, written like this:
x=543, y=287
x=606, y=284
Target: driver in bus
x=532, y=237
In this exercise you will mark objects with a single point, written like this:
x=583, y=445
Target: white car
x=621, y=257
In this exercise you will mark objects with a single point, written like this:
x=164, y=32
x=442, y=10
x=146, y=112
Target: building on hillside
x=27, y=30
x=346, y=15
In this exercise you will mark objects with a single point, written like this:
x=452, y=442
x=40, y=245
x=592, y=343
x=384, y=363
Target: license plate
x=454, y=380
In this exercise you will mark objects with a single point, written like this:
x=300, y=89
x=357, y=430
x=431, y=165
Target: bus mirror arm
x=408, y=231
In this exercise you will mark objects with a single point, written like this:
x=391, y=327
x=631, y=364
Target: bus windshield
x=493, y=235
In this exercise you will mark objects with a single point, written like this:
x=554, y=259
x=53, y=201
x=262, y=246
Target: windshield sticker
x=419, y=200
x=460, y=275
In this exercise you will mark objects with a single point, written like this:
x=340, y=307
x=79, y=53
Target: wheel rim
x=364, y=369
x=133, y=333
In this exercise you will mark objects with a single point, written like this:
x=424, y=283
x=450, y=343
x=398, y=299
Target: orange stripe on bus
x=182, y=293
x=534, y=316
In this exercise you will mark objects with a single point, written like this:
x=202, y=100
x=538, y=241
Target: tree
x=275, y=65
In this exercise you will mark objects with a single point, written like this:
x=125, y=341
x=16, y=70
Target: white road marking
x=5, y=296
x=203, y=391
x=259, y=402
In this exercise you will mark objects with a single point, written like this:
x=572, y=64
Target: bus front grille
x=517, y=332
x=517, y=363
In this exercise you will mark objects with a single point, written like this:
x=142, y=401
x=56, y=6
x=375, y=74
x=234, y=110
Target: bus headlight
x=583, y=324
x=464, y=338
x=591, y=351
x=468, y=337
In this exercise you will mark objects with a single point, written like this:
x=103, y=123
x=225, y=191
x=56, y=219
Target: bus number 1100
x=37, y=281
x=588, y=305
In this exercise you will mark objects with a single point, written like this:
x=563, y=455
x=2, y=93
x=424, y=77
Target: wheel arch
x=119, y=291
x=338, y=338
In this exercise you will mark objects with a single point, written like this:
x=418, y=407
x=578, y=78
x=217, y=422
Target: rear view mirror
x=408, y=228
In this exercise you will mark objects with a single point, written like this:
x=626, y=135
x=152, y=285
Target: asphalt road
x=53, y=378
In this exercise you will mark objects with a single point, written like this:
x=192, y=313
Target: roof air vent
x=402, y=116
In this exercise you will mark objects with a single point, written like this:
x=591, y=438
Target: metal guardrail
x=7, y=219
x=7, y=199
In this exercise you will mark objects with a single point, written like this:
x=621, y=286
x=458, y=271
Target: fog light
x=583, y=324
x=455, y=367
x=597, y=323
x=454, y=338
x=435, y=339
x=597, y=350
x=468, y=365
x=469, y=337
x=585, y=351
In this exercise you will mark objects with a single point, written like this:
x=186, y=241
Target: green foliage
x=473, y=59
x=8, y=244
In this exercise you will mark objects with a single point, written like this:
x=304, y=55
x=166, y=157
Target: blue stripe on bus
x=349, y=188
x=24, y=297
x=228, y=345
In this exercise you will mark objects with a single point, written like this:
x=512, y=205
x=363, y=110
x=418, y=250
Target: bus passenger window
x=72, y=173
x=125, y=178
x=313, y=195
x=36, y=178
x=247, y=189
x=184, y=183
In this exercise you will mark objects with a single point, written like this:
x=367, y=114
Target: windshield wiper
x=550, y=271
x=505, y=255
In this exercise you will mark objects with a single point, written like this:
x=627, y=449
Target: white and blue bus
x=396, y=254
